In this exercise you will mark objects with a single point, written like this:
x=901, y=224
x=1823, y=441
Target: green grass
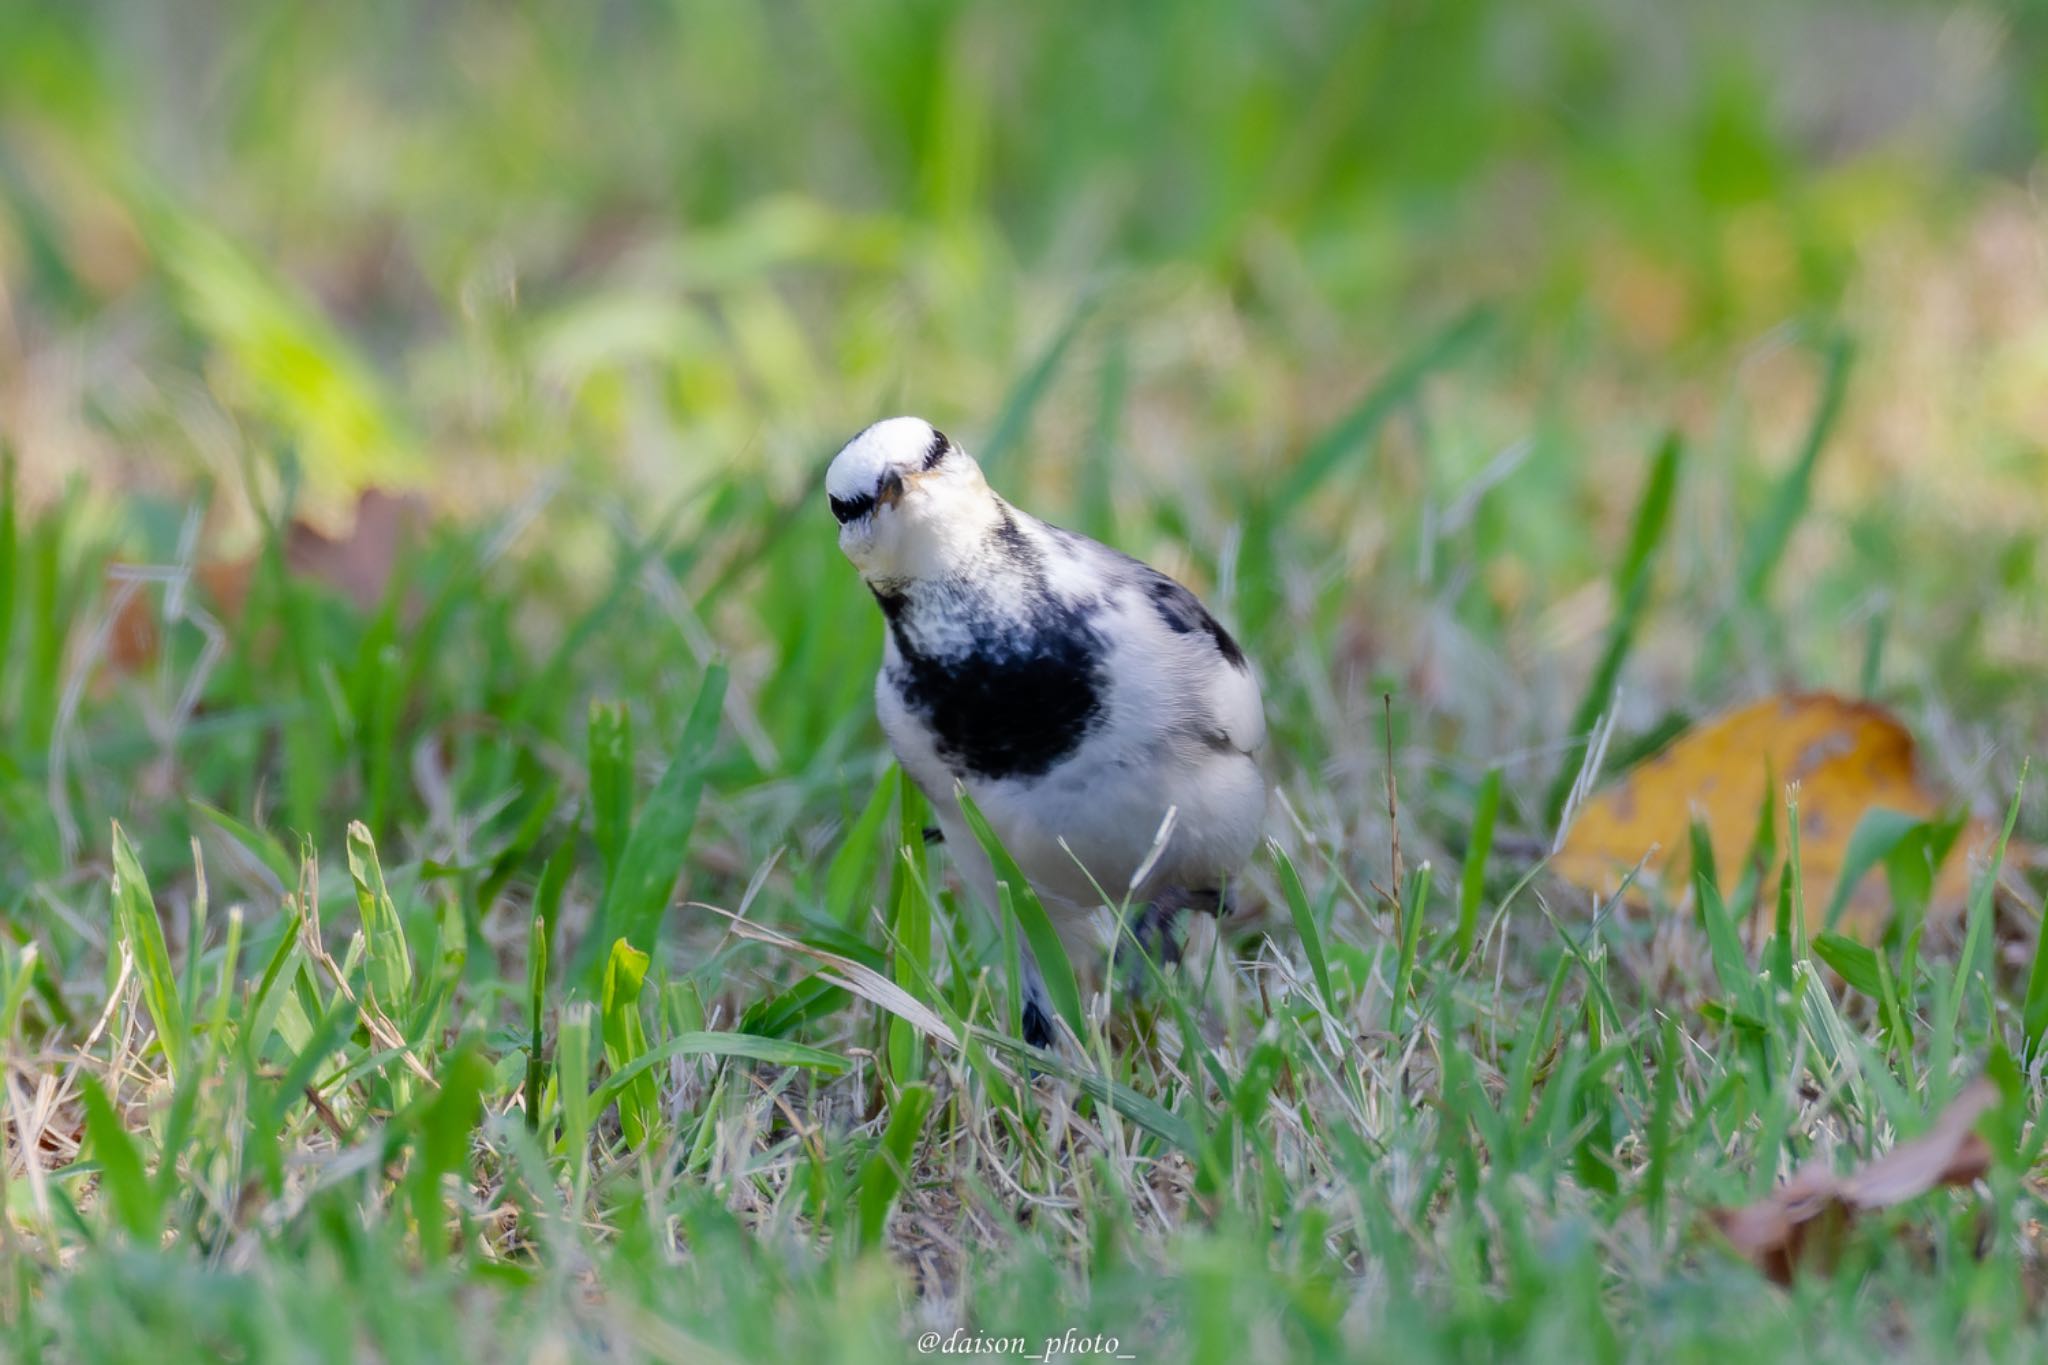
x=543, y=961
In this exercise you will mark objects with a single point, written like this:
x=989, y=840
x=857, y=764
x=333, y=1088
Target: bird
x=1075, y=693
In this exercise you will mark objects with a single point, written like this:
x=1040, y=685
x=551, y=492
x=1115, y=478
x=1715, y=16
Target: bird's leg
x=1156, y=930
x=1037, y=1011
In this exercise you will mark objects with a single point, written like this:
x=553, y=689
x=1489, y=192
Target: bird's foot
x=1156, y=931
x=1037, y=1011
x=1037, y=1024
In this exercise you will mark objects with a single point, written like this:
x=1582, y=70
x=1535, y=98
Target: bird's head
x=910, y=503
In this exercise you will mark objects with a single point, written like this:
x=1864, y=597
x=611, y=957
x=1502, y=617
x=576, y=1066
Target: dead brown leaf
x=1848, y=758
x=358, y=565
x=135, y=636
x=1804, y=1220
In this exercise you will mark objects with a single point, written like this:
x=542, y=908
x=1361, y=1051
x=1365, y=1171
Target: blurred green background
x=649, y=239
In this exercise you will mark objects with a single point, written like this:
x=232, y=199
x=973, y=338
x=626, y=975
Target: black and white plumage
x=1076, y=693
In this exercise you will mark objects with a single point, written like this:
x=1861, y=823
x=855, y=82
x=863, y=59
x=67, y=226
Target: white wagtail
x=1077, y=694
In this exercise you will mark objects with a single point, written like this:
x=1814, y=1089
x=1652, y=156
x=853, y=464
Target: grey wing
x=1209, y=663
x=1225, y=683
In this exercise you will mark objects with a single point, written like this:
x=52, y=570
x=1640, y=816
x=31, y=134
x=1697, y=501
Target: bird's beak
x=891, y=491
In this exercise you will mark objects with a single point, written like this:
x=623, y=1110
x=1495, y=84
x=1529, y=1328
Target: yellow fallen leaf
x=1847, y=758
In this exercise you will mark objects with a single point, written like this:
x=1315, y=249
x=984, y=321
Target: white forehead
x=898, y=443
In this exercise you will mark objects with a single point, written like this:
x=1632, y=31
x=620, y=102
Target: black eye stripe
x=859, y=505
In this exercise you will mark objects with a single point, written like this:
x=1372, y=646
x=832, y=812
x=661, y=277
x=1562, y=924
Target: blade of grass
x=883, y=1176
x=753, y=1048
x=1472, y=877
x=1763, y=849
x=1772, y=533
x=1147, y=1113
x=1872, y=671
x=1664, y=1101
x=135, y=910
x=252, y=841
x=910, y=936
x=573, y=1059
x=1020, y=902
x=536, y=1008
x=1791, y=927
x=1632, y=579
x=48, y=625
x=549, y=681
x=128, y=1189
x=1856, y=963
x=177, y=1132
x=863, y=980
x=1870, y=843
x=611, y=782
x=323, y=1039
x=1592, y=1105
x=636, y=899
x=389, y=972
x=445, y=1121
x=1411, y=941
x=1724, y=943
x=10, y=540
x=625, y=1040
x=1910, y=870
x=1976, y=938
x=20, y=975
x=2034, y=1011
x=1305, y=925
x=1098, y=512
x=851, y=873
x=1031, y=389
x=1897, y=1027
x=872, y=986
x=1355, y=430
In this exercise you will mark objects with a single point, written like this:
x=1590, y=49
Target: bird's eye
x=846, y=509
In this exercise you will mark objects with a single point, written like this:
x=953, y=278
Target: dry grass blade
x=374, y=1019
x=880, y=991
x=864, y=982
